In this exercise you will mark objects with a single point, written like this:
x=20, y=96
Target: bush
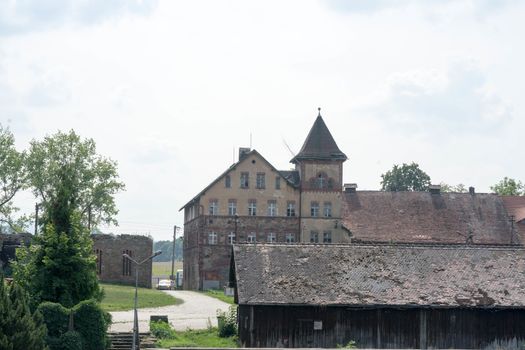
x=91, y=322
x=56, y=318
x=161, y=329
x=71, y=340
x=227, y=321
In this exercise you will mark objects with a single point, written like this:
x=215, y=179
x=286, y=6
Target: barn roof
x=380, y=275
x=381, y=216
x=515, y=206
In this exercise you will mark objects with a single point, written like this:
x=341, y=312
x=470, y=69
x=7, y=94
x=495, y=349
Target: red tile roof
x=380, y=216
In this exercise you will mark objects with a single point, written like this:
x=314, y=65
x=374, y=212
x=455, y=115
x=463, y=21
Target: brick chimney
x=243, y=151
x=350, y=188
x=434, y=189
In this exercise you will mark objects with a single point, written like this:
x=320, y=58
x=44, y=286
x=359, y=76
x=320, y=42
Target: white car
x=164, y=284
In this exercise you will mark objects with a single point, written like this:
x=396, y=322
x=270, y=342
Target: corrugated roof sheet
x=380, y=275
x=381, y=216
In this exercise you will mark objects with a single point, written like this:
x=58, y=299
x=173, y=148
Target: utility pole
x=172, y=277
x=36, y=219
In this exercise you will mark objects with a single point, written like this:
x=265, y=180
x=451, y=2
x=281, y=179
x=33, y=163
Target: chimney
x=472, y=190
x=243, y=151
x=350, y=188
x=434, y=189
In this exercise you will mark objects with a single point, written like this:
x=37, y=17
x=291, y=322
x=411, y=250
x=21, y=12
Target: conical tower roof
x=319, y=144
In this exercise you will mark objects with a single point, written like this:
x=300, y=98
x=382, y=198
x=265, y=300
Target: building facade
x=113, y=267
x=254, y=202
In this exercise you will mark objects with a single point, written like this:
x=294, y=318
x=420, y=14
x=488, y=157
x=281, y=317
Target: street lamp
x=136, y=340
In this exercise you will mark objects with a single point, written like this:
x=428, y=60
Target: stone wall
x=8, y=245
x=112, y=267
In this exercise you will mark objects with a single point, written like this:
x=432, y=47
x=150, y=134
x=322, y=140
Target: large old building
x=253, y=202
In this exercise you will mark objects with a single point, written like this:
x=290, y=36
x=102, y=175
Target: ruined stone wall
x=8, y=245
x=112, y=267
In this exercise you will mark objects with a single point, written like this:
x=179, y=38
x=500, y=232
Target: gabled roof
x=319, y=144
x=290, y=179
x=380, y=275
x=381, y=216
x=515, y=205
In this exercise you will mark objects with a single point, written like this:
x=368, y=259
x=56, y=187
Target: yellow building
x=253, y=202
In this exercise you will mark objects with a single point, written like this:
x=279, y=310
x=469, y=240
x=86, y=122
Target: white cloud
x=433, y=103
x=21, y=16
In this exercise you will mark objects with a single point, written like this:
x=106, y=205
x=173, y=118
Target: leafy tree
x=19, y=328
x=60, y=266
x=405, y=178
x=67, y=175
x=12, y=176
x=167, y=249
x=459, y=188
x=509, y=187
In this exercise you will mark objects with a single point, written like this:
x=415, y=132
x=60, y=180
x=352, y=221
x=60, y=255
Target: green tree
x=509, y=187
x=19, y=328
x=67, y=175
x=405, y=178
x=459, y=188
x=12, y=176
x=60, y=267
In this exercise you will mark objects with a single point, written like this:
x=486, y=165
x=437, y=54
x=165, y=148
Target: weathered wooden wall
x=293, y=326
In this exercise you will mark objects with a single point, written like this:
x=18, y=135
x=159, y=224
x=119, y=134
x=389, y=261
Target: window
x=260, y=183
x=277, y=183
x=232, y=207
x=321, y=181
x=244, y=180
x=212, y=238
x=252, y=208
x=314, y=237
x=290, y=238
x=227, y=181
x=271, y=237
x=290, y=209
x=126, y=263
x=327, y=237
x=272, y=208
x=98, y=254
x=213, y=207
x=251, y=237
x=314, y=209
x=327, y=209
x=231, y=238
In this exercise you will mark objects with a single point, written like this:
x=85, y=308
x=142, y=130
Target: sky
x=171, y=89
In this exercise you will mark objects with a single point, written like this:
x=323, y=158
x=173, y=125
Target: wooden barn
x=380, y=296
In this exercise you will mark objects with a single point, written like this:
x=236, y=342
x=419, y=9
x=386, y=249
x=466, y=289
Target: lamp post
x=136, y=340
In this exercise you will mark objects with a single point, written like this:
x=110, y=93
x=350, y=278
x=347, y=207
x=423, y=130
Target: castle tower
x=320, y=166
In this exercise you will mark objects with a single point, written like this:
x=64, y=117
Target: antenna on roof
x=233, y=155
x=319, y=109
x=289, y=149
x=250, y=140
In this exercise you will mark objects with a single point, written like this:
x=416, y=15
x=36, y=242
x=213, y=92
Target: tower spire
x=319, y=109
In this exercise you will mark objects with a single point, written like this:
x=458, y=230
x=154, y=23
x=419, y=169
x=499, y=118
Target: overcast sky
x=168, y=89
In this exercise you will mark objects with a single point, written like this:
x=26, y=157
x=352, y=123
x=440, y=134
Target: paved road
x=194, y=313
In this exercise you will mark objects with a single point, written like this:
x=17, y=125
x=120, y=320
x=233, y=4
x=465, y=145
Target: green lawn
x=163, y=268
x=206, y=338
x=219, y=294
x=120, y=297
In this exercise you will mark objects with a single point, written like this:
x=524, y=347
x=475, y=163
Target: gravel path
x=194, y=313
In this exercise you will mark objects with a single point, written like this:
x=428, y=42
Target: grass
x=121, y=298
x=219, y=294
x=205, y=338
x=163, y=268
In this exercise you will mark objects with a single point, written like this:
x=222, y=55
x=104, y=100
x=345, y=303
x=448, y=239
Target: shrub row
x=83, y=327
